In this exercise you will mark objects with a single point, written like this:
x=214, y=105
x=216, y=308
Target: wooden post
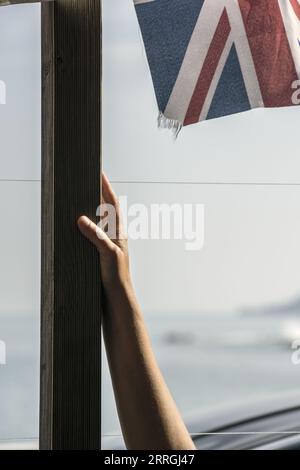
x=70, y=320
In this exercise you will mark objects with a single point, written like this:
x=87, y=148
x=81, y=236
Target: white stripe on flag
x=239, y=38
x=243, y=50
x=292, y=27
x=215, y=81
x=196, y=53
x=137, y=2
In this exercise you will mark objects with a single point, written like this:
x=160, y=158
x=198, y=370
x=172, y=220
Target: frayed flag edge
x=172, y=124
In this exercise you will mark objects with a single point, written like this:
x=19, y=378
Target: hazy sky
x=251, y=253
x=20, y=158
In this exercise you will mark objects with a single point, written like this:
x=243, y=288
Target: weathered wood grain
x=71, y=298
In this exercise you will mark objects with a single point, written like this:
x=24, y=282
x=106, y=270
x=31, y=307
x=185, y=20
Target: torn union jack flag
x=212, y=58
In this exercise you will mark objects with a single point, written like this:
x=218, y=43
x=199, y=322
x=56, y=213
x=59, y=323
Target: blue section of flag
x=231, y=95
x=167, y=27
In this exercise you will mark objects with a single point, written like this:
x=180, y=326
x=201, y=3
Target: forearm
x=147, y=412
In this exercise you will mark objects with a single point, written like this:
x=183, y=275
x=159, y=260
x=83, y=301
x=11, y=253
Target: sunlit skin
x=148, y=414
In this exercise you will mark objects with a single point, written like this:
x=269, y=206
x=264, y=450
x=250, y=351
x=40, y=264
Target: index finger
x=108, y=193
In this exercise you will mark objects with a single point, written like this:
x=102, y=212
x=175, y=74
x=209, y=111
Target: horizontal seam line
x=211, y=183
x=225, y=433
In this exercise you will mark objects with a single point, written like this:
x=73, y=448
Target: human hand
x=114, y=258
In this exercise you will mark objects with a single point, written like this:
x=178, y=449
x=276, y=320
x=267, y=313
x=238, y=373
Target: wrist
x=120, y=296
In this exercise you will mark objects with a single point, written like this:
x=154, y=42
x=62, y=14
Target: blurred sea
x=206, y=360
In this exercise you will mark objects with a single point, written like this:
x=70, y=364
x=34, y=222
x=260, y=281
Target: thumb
x=95, y=235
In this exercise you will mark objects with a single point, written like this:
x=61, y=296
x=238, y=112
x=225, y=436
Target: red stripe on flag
x=273, y=60
x=296, y=7
x=208, y=70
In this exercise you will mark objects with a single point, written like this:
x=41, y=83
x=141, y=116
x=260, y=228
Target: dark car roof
x=265, y=412
x=219, y=417
x=272, y=420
